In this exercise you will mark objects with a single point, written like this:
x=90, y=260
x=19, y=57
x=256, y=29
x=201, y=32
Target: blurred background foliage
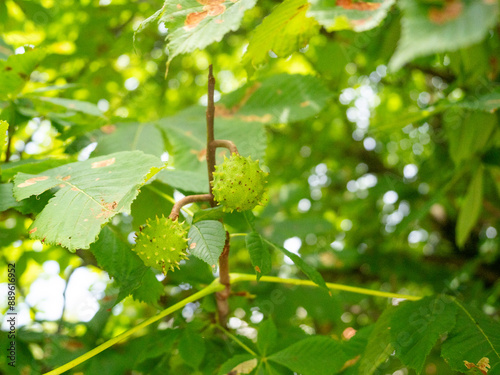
x=374, y=187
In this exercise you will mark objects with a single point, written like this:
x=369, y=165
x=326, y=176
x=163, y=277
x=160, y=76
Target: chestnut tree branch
x=210, y=131
x=174, y=214
x=224, y=143
x=212, y=144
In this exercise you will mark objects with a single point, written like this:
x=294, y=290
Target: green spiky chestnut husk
x=160, y=243
x=239, y=183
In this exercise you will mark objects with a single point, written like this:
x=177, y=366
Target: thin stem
x=226, y=144
x=174, y=214
x=238, y=235
x=170, y=199
x=236, y=277
x=236, y=340
x=215, y=286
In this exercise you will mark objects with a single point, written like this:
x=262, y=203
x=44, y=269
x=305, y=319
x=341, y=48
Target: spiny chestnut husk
x=161, y=244
x=239, y=183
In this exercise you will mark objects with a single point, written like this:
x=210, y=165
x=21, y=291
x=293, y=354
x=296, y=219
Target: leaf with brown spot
x=482, y=365
x=350, y=15
x=222, y=111
x=33, y=230
x=427, y=29
x=193, y=19
x=200, y=155
x=108, y=129
x=259, y=102
x=194, y=24
x=75, y=216
x=214, y=10
x=358, y=5
x=209, y=238
x=259, y=254
x=103, y=163
x=450, y=11
x=284, y=31
x=32, y=181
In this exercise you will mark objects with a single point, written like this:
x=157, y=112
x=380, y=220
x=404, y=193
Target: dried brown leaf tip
x=357, y=5
x=211, y=8
x=450, y=11
x=32, y=181
x=483, y=365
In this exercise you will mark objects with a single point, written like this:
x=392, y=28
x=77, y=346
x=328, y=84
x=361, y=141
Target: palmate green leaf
x=284, y=31
x=495, y=175
x=470, y=208
x=239, y=363
x=91, y=193
x=259, y=254
x=71, y=105
x=7, y=199
x=386, y=121
x=206, y=241
x=123, y=265
x=281, y=98
x=428, y=28
x=380, y=345
x=129, y=137
x=267, y=337
x=150, y=290
x=417, y=325
x=309, y=270
x=347, y=15
x=154, y=344
x=488, y=103
x=194, y=25
x=475, y=336
x=16, y=70
x=316, y=355
x=357, y=345
x=192, y=348
x=151, y=203
x=471, y=136
x=213, y=213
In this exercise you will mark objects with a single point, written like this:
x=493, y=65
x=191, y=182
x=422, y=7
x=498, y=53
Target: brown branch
x=222, y=304
x=226, y=144
x=221, y=297
x=174, y=214
x=210, y=131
